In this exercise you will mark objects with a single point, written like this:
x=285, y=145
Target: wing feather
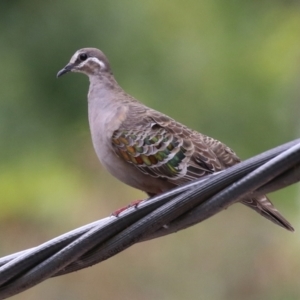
x=161, y=147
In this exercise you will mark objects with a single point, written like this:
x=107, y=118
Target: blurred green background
x=229, y=69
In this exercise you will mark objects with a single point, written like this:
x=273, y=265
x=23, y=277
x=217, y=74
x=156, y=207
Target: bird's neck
x=103, y=94
x=105, y=106
x=103, y=88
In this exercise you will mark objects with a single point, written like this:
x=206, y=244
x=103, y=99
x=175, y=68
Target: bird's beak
x=65, y=70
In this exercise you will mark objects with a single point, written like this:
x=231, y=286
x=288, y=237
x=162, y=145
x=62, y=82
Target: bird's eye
x=82, y=56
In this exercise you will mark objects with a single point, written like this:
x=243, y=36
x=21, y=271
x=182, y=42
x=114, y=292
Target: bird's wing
x=161, y=147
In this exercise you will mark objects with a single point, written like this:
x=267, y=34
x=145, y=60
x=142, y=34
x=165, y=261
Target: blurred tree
x=228, y=69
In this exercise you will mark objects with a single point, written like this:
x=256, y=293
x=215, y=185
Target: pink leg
x=132, y=204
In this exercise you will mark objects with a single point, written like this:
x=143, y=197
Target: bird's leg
x=134, y=204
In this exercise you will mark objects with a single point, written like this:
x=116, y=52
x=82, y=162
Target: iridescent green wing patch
x=155, y=152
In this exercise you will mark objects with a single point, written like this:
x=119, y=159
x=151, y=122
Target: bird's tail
x=264, y=207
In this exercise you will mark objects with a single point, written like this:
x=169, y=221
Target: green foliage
x=229, y=69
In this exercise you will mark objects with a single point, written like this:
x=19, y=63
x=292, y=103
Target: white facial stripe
x=74, y=57
x=96, y=60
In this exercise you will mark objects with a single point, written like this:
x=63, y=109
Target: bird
x=147, y=149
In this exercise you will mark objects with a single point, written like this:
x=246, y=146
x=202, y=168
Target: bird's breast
x=103, y=123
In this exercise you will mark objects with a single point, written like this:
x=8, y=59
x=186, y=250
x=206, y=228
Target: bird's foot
x=132, y=204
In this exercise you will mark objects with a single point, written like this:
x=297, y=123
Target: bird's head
x=89, y=61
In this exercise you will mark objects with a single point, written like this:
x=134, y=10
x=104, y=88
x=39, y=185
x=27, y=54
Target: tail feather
x=264, y=207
